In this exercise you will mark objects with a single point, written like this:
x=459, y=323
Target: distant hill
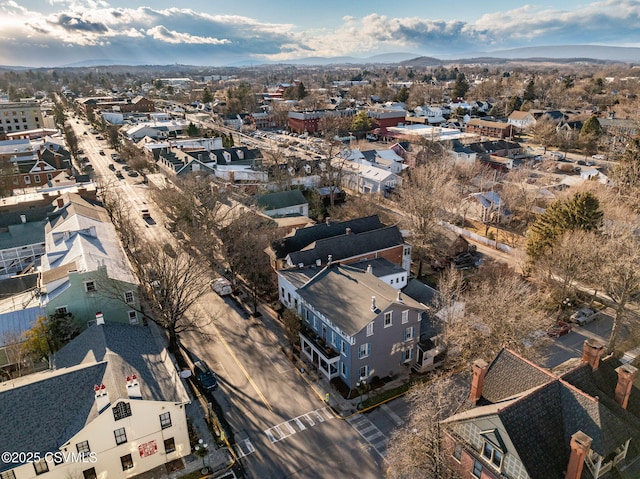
x=594, y=52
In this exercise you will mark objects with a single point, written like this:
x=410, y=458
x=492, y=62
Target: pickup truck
x=145, y=214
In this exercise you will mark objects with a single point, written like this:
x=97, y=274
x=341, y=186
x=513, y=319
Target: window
x=364, y=371
x=49, y=176
x=62, y=310
x=405, y=316
x=364, y=350
x=133, y=317
x=127, y=462
x=121, y=410
x=7, y=475
x=343, y=369
x=492, y=454
x=282, y=292
x=407, y=355
x=36, y=178
x=388, y=319
x=41, y=466
x=477, y=468
x=83, y=448
x=128, y=297
x=343, y=347
x=169, y=445
x=457, y=452
x=89, y=286
x=407, y=251
x=409, y=333
x=165, y=420
x=90, y=473
x=27, y=179
x=370, y=329
x=121, y=436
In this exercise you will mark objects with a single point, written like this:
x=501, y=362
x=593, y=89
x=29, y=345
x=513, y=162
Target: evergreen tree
x=207, y=97
x=515, y=102
x=529, y=92
x=581, y=212
x=591, y=127
x=460, y=87
x=192, y=130
x=402, y=95
x=301, y=91
x=361, y=122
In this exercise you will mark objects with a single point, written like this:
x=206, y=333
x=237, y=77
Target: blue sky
x=200, y=32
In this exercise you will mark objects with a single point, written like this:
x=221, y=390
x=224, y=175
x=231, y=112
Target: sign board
x=148, y=448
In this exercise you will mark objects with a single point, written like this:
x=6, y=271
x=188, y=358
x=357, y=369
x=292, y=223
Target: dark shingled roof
x=281, y=199
x=305, y=236
x=510, y=375
x=46, y=409
x=540, y=412
x=348, y=245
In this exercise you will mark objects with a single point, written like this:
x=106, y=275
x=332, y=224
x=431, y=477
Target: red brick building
x=492, y=129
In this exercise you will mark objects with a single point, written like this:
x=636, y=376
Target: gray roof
x=281, y=199
x=420, y=292
x=343, y=294
x=540, y=412
x=42, y=411
x=379, y=267
x=305, y=236
x=348, y=245
x=22, y=234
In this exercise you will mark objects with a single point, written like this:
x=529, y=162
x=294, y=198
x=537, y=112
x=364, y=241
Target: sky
x=47, y=33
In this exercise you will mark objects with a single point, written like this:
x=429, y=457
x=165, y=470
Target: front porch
x=316, y=351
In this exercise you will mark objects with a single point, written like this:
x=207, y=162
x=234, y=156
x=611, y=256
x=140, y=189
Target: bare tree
x=419, y=450
x=172, y=282
x=427, y=194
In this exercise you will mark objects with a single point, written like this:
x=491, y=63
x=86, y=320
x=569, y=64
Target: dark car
x=112, y=167
x=558, y=329
x=205, y=376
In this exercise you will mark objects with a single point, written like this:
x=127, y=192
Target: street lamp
x=362, y=387
x=201, y=450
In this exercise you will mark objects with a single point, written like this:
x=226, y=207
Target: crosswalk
x=243, y=448
x=298, y=424
x=370, y=433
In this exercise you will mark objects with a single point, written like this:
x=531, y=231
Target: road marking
x=370, y=433
x=394, y=417
x=275, y=433
x=240, y=452
x=235, y=359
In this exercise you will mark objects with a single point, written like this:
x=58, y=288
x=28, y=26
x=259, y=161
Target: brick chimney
x=60, y=202
x=580, y=445
x=592, y=350
x=480, y=368
x=626, y=375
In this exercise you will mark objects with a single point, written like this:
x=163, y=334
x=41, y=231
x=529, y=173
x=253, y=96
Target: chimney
x=399, y=296
x=580, y=445
x=318, y=262
x=626, y=375
x=327, y=220
x=102, y=398
x=348, y=231
x=99, y=318
x=329, y=259
x=373, y=303
x=369, y=269
x=480, y=368
x=60, y=202
x=23, y=218
x=592, y=350
x=133, y=387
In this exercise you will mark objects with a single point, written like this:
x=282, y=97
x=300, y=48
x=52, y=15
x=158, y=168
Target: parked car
x=558, y=329
x=101, y=152
x=222, y=286
x=583, y=316
x=112, y=167
x=119, y=175
x=205, y=376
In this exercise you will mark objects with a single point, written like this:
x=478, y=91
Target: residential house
x=113, y=405
x=492, y=129
x=487, y=207
x=349, y=247
x=432, y=115
x=461, y=153
x=358, y=174
x=521, y=119
x=302, y=238
x=84, y=271
x=529, y=423
x=307, y=121
x=356, y=327
x=283, y=203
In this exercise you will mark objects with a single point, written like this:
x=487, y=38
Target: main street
x=281, y=427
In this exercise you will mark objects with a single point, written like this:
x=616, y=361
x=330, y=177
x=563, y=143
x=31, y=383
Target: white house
x=113, y=405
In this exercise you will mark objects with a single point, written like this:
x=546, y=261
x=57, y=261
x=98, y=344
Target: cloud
x=84, y=29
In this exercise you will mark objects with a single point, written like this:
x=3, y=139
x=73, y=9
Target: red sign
x=148, y=448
